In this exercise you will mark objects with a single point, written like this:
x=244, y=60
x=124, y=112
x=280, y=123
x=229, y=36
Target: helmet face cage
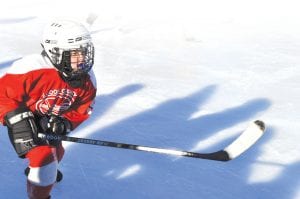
x=61, y=58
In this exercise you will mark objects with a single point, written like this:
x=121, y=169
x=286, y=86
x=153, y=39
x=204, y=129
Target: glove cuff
x=17, y=115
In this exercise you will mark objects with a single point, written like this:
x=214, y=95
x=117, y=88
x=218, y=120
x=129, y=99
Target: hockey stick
x=237, y=147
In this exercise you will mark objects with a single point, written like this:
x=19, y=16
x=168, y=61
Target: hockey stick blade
x=254, y=131
x=237, y=147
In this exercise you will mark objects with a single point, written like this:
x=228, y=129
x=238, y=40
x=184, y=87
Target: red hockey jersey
x=35, y=83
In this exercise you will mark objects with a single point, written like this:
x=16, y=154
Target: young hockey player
x=51, y=92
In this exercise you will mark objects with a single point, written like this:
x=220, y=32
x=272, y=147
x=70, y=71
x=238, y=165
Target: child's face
x=77, y=58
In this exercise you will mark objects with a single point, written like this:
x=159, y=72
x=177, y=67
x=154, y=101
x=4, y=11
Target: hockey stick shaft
x=238, y=146
x=220, y=155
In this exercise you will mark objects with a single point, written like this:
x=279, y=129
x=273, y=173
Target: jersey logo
x=56, y=101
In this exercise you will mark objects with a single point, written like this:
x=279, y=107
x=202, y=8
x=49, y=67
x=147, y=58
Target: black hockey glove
x=55, y=125
x=22, y=130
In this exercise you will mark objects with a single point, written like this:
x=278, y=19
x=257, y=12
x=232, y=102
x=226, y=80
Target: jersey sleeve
x=81, y=109
x=13, y=92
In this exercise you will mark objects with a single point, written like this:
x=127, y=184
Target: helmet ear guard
x=65, y=64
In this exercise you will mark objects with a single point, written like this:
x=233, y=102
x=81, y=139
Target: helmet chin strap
x=74, y=81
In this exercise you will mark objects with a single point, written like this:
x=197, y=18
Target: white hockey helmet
x=60, y=38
